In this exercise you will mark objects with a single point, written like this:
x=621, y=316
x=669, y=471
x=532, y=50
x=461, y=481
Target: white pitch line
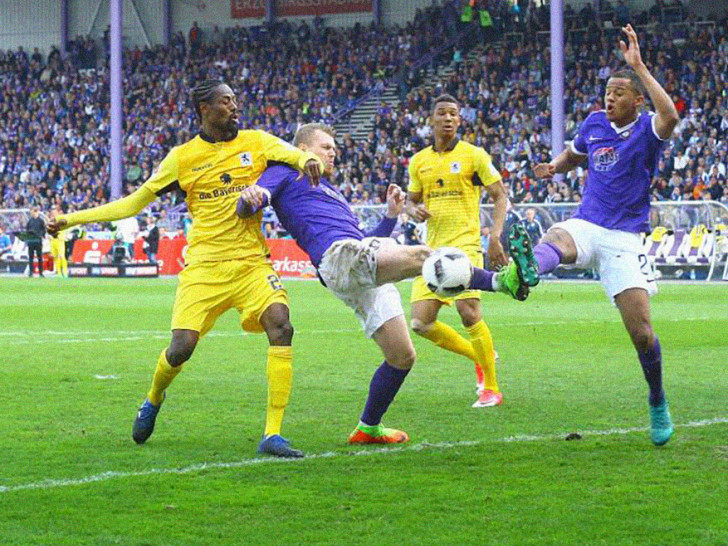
x=113, y=474
x=135, y=335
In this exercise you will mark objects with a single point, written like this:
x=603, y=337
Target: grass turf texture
x=566, y=365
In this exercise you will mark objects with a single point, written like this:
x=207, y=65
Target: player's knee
x=280, y=332
x=181, y=348
x=404, y=359
x=644, y=340
x=420, y=328
x=642, y=336
x=421, y=253
x=179, y=353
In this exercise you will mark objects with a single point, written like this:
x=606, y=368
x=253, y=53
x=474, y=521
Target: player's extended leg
x=399, y=357
x=556, y=247
x=169, y=365
x=276, y=322
x=398, y=262
x=425, y=324
x=482, y=344
x=634, y=306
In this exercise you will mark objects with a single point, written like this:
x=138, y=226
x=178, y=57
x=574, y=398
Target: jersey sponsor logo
x=332, y=193
x=605, y=158
x=444, y=193
x=246, y=159
x=455, y=167
x=220, y=192
x=201, y=167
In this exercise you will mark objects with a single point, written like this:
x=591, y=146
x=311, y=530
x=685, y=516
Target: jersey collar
x=620, y=130
x=207, y=138
x=449, y=148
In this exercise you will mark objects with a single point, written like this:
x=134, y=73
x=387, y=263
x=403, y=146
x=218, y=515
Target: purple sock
x=482, y=280
x=384, y=386
x=651, y=361
x=548, y=257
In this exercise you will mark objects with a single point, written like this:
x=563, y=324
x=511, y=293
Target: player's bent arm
x=279, y=150
x=252, y=199
x=384, y=228
x=130, y=205
x=667, y=116
x=567, y=160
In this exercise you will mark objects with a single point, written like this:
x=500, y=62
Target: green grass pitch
x=77, y=358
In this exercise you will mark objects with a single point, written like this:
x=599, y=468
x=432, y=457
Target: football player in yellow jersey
x=446, y=184
x=58, y=249
x=227, y=264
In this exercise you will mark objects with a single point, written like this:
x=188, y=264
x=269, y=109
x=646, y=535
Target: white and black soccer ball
x=447, y=271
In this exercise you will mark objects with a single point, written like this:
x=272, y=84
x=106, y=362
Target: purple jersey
x=314, y=216
x=621, y=164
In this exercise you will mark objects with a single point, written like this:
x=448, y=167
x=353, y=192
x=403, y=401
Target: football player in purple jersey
x=622, y=145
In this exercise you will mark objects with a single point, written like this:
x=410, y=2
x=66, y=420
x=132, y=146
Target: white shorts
x=349, y=270
x=617, y=256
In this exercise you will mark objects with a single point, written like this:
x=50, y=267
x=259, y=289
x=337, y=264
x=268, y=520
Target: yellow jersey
x=451, y=183
x=211, y=175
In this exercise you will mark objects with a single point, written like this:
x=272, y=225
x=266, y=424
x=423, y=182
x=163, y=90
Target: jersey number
x=274, y=282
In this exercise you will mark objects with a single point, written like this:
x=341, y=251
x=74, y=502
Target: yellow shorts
x=58, y=247
x=420, y=292
x=207, y=289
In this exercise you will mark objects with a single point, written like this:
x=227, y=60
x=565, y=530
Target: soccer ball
x=447, y=271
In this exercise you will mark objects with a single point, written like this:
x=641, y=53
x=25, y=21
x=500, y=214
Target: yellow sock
x=64, y=266
x=482, y=343
x=163, y=376
x=444, y=336
x=280, y=377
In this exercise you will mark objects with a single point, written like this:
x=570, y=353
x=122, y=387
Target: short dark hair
x=305, y=132
x=444, y=98
x=204, y=92
x=633, y=78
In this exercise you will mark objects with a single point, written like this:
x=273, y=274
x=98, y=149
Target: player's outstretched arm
x=667, y=116
x=563, y=163
x=130, y=205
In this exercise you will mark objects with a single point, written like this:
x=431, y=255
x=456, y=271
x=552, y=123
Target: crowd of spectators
x=54, y=111
x=504, y=92
x=54, y=123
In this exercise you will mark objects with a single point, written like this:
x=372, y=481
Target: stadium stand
x=288, y=74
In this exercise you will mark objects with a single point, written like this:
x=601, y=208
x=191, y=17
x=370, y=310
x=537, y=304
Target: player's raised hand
x=252, y=199
x=313, y=170
x=395, y=200
x=544, y=170
x=56, y=224
x=631, y=50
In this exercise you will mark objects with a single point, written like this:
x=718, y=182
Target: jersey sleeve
x=578, y=145
x=276, y=149
x=484, y=168
x=121, y=208
x=166, y=177
x=415, y=184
